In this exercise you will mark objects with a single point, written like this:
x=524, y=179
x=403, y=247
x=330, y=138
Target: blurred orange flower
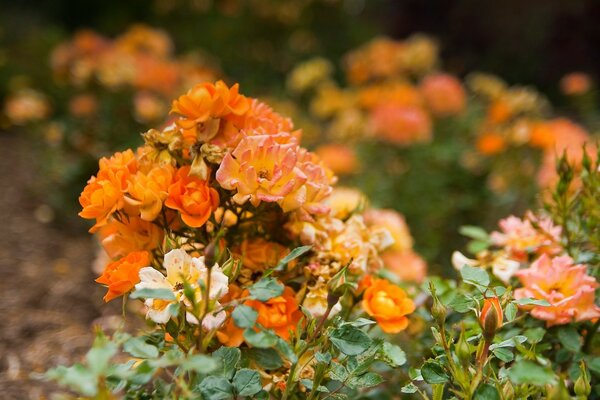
x=340, y=158
x=407, y=265
x=575, y=83
x=388, y=304
x=444, y=94
x=394, y=223
x=192, y=197
x=281, y=313
x=122, y=275
x=490, y=143
x=402, y=125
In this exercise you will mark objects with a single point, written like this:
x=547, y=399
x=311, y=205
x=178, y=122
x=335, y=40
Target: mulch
x=49, y=303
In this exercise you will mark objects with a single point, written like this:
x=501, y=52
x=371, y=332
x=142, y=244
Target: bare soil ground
x=49, y=302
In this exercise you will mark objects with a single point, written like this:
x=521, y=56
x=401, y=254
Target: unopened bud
x=332, y=300
x=438, y=311
x=582, y=384
x=491, y=317
x=210, y=255
x=463, y=350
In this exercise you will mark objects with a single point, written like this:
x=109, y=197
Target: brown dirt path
x=48, y=300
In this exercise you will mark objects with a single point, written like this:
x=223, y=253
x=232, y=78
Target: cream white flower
x=459, y=260
x=315, y=301
x=180, y=268
x=504, y=268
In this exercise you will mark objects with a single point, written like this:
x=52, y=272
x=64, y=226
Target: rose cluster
x=223, y=196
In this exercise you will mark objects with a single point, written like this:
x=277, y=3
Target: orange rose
x=388, y=304
x=575, y=83
x=192, y=197
x=279, y=313
x=104, y=193
x=259, y=254
x=147, y=192
x=122, y=275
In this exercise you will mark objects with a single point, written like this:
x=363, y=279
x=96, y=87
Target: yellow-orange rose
x=388, y=304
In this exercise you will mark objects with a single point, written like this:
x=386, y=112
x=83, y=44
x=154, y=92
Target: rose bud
x=491, y=317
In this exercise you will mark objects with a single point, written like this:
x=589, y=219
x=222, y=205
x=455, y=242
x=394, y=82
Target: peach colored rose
x=133, y=234
x=565, y=285
x=260, y=169
x=122, y=275
x=575, y=83
x=192, y=197
x=388, y=304
x=520, y=237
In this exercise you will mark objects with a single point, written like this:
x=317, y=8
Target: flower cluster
x=395, y=94
x=531, y=249
x=229, y=229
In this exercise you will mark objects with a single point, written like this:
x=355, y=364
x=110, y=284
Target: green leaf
x=510, y=311
x=486, y=392
x=433, y=373
x=473, y=232
x=260, y=339
x=77, y=377
x=350, y=340
x=246, y=382
x=244, y=316
x=393, y=354
x=369, y=379
x=360, y=322
x=410, y=388
x=228, y=357
x=216, y=388
x=532, y=302
x=201, y=364
x=138, y=347
x=324, y=358
x=477, y=246
x=297, y=252
x=266, y=289
x=99, y=356
x=528, y=372
x=266, y=358
x=570, y=338
x=511, y=342
x=146, y=293
x=504, y=354
x=284, y=348
x=535, y=335
x=475, y=276
x=338, y=372
x=461, y=303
